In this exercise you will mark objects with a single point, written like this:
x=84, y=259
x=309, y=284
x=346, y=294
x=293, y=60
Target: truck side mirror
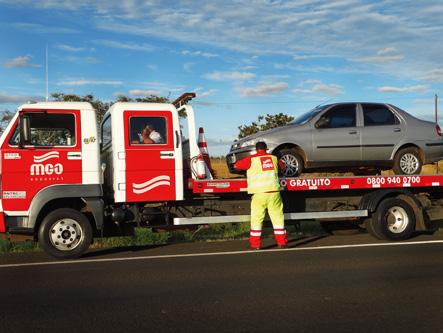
x=25, y=131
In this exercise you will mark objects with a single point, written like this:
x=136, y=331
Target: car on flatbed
x=348, y=136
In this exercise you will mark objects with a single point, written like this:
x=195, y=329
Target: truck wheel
x=65, y=233
x=394, y=219
x=292, y=161
x=407, y=161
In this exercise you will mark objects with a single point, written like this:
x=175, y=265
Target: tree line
x=262, y=123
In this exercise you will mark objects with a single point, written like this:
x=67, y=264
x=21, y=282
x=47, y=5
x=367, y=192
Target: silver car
x=349, y=136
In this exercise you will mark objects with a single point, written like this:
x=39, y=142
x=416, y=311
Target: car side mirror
x=323, y=122
x=25, y=131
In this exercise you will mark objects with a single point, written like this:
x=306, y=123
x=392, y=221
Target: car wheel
x=293, y=163
x=65, y=233
x=407, y=162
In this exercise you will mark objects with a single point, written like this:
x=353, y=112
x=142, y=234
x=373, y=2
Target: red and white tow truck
x=63, y=180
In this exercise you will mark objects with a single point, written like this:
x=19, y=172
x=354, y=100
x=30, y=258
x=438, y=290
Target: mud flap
x=2, y=223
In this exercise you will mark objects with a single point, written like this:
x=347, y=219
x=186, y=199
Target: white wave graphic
x=47, y=156
x=150, y=184
x=146, y=189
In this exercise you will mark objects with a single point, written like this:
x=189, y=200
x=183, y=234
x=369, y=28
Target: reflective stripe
x=255, y=233
x=278, y=232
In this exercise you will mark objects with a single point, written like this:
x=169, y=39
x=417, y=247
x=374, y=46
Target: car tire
x=394, y=219
x=65, y=233
x=293, y=163
x=407, y=161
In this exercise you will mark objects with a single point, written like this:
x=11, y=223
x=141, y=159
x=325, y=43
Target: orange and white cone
x=204, y=149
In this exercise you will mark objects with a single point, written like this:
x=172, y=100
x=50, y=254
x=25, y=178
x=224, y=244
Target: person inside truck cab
x=148, y=135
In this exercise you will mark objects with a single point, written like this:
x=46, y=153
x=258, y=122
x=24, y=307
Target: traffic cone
x=204, y=149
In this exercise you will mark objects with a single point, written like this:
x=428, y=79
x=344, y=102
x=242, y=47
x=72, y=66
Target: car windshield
x=305, y=117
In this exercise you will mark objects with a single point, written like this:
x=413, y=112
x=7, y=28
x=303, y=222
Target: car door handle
x=397, y=129
x=352, y=132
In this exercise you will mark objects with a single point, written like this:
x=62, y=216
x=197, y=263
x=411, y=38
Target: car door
x=381, y=131
x=335, y=136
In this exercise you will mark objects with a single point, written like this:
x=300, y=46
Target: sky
x=243, y=59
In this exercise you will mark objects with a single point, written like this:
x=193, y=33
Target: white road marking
x=187, y=255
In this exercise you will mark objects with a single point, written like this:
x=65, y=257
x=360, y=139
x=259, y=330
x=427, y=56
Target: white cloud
x=202, y=94
x=20, y=62
x=126, y=45
x=8, y=99
x=229, y=76
x=406, y=89
x=265, y=89
x=43, y=29
x=199, y=54
x=319, y=87
x=69, y=48
x=144, y=93
x=89, y=82
x=387, y=33
x=435, y=75
x=187, y=67
x=87, y=60
x=383, y=56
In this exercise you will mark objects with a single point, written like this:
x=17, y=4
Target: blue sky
x=242, y=58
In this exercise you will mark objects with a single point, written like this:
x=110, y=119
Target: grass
x=147, y=237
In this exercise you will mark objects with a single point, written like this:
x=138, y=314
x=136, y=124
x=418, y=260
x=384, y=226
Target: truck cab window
x=147, y=130
x=106, y=132
x=49, y=129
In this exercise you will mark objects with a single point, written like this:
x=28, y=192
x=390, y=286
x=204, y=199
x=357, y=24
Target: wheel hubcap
x=66, y=234
x=409, y=163
x=291, y=165
x=398, y=219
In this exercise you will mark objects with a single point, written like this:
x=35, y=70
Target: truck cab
x=141, y=151
x=49, y=158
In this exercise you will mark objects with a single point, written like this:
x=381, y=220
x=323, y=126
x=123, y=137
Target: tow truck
x=64, y=180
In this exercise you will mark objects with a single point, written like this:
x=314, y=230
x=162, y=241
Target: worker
x=263, y=183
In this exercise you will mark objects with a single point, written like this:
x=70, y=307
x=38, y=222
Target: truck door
x=53, y=156
x=150, y=156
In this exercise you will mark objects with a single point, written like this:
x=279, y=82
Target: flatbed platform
x=321, y=183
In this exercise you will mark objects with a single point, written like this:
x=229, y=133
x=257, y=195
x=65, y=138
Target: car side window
x=339, y=116
x=377, y=115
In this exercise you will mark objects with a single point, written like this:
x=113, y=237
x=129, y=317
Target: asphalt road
x=331, y=284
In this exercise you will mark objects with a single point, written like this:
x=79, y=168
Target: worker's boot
x=280, y=237
x=255, y=239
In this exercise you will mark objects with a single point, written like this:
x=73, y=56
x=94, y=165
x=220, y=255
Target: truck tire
x=394, y=219
x=65, y=233
x=407, y=161
x=293, y=163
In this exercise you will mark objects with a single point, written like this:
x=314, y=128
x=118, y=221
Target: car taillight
x=438, y=130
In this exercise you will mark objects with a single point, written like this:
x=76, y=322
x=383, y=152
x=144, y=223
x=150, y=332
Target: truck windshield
x=305, y=117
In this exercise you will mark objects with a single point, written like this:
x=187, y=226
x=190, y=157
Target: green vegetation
x=147, y=237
